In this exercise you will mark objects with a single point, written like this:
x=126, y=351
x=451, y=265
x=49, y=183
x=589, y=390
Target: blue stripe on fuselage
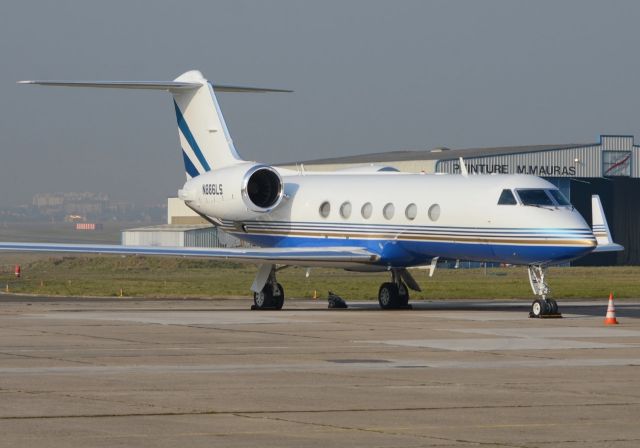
x=413, y=253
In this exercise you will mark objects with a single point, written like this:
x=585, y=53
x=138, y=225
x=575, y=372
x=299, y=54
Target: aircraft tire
x=553, y=306
x=539, y=308
x=403, y=296
x=278, y=299
x=263, y=299
x=388, y=296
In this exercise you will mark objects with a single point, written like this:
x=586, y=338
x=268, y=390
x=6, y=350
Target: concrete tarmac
x=166, y=373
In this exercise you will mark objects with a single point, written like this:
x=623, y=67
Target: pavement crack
x=322, y=411
x=375, y=431
x=46, y=357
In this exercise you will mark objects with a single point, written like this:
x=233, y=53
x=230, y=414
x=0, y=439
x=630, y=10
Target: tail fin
x=204, y=137
x=601, y=228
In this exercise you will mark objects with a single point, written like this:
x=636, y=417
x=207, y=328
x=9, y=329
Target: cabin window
x=366, y=210
x=411, y=212
x=559, y=197
x=325, y=209
x=345, y=210
x=434, y=212
x=389, y=210
x=507, y=198
x=534, y=197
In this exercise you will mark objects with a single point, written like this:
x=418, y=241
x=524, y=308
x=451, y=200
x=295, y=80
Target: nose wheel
x=542, y=306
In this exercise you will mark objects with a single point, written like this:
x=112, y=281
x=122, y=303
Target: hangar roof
x=171, y=228
x=436, y=154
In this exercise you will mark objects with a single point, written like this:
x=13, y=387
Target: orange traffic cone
x=610, y=319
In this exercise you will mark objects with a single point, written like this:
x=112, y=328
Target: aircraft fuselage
x=406, y=218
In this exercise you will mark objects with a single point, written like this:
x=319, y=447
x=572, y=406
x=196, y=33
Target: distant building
x=175, y=235
x=184, y=228
x=89, y=226
x=95, y=206
x=179, y=213
x=71, y=203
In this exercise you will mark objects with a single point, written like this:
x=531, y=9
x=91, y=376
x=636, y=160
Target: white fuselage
x=413, y=217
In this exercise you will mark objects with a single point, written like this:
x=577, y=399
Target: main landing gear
x=395, y=294
x=542, y=306
x=268, y=294
x=271, y=295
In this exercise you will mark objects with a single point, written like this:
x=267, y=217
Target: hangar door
x=621, y=201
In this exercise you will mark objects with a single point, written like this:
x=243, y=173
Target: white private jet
x=361, y=219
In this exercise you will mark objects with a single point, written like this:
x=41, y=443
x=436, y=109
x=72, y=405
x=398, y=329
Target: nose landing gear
x=542, y=306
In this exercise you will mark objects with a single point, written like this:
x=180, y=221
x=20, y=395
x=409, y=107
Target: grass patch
x=107, y=275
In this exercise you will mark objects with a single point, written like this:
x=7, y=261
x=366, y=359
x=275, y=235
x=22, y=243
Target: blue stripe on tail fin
x=189, y=166
x=184, y=128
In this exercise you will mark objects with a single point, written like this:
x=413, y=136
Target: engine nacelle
x=235, y=192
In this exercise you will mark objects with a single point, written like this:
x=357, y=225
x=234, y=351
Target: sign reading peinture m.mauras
x=536, y=170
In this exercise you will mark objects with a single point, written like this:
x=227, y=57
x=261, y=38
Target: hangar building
x=184, y=228
x=609, y=168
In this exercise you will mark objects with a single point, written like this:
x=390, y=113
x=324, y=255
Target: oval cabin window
x=366, y=210
x=345, y=210
x=325, y=209
x=388, y=210
x=411, y=211
x=434, y=212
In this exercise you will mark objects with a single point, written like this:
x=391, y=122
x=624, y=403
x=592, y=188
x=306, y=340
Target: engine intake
x=262, y=188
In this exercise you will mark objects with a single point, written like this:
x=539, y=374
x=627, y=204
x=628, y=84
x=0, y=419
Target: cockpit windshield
x=559, y=197
x=535, y=197
x=507, y=198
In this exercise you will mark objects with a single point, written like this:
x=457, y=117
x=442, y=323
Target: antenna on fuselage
x=463, y=168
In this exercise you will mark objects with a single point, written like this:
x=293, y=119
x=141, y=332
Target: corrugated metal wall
x=150, y=238
x=582, y=161
x=202, y=238
x=180, y=237
x=616, y=142
x=585, y=161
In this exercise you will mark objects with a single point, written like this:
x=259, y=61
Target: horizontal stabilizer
x=205, y=141
x=172, y=86
x=301, y=256
x=601, y=228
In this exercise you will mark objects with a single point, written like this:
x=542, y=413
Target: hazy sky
x=369, y=76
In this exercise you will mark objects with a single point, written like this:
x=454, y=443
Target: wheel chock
x=335, y=301
x=545, y=316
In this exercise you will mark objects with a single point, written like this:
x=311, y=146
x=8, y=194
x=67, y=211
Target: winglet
x=601, y=228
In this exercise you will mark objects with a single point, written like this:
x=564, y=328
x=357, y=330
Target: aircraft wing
x=300, y=256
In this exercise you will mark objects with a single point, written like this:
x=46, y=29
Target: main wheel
x=264, y=298
x=278, y=297
x=388, y=296
x=539, y=307
x=553, y=306
x=403, y=295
